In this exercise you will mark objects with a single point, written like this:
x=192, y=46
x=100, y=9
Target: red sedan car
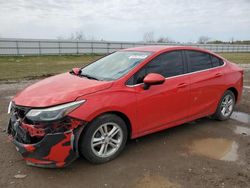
x=92, y=111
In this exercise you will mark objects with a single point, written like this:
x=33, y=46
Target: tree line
x=149, y=37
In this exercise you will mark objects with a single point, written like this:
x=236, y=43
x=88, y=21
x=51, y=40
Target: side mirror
x=153, y=79
x=75, y=71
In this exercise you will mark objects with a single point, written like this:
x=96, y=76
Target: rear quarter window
x=216, y=62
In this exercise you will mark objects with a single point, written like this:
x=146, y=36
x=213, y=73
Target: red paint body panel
x=164, y=104
x=58, y=89
x=178, y=100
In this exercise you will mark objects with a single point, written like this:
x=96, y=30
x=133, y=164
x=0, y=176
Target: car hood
x=58, y=89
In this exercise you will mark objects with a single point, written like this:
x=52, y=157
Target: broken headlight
x=52, y=113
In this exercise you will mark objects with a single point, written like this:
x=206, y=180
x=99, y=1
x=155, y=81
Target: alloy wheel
x=106, y=140
x=227, y=105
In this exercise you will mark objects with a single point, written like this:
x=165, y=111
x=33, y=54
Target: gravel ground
x=203, y=153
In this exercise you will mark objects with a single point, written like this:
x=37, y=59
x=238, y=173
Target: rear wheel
x=226, y=106
x=103, y=139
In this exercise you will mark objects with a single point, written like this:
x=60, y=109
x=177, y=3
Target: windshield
x=114, y=66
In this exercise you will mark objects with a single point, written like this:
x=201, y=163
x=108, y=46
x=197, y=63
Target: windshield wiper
x=89, y=77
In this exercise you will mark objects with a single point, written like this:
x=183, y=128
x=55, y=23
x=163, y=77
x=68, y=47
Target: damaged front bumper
x=44, y=147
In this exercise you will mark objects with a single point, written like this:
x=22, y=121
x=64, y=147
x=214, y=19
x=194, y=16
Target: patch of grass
x=16, y=67
x=240, y=58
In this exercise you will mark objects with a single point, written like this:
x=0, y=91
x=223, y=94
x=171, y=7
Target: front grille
x=20, y=111
x=17, y=115
x=16, y=131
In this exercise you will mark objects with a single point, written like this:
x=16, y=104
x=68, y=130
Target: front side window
x=198, y=61
x=114, y=66
x=167, y=64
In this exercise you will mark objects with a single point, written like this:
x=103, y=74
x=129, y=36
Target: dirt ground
x=203, y=153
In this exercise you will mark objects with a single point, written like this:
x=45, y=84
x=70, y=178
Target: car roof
x=159, y=48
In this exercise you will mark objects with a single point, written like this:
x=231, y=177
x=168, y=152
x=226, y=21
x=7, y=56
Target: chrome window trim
x=224, y=63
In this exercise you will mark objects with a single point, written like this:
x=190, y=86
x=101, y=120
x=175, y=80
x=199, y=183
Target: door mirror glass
x=153, y=79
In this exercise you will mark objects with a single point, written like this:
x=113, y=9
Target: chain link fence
x=72, y=47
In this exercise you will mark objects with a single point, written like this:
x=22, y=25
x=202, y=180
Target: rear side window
x=216, y=61
x=198, y=61
x=167, y=64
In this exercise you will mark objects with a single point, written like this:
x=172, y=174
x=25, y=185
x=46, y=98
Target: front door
x=165, y=103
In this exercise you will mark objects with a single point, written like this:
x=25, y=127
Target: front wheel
x=225, y=107
x=103, y=139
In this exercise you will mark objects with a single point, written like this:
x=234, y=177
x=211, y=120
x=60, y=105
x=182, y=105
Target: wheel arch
x=121, y=115
x=235, y=92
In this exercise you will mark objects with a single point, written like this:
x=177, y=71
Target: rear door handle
x=218, y=74
x=182, y=85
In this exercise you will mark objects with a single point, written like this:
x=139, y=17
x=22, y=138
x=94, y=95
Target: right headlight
x=53, y=113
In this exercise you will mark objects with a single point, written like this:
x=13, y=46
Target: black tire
x=218, y=115
x=86, y=147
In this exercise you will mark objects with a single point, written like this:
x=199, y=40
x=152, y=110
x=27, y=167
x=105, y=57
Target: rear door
x=202, y=83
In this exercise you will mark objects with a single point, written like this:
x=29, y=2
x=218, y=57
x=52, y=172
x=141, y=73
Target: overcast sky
x=126, y=20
